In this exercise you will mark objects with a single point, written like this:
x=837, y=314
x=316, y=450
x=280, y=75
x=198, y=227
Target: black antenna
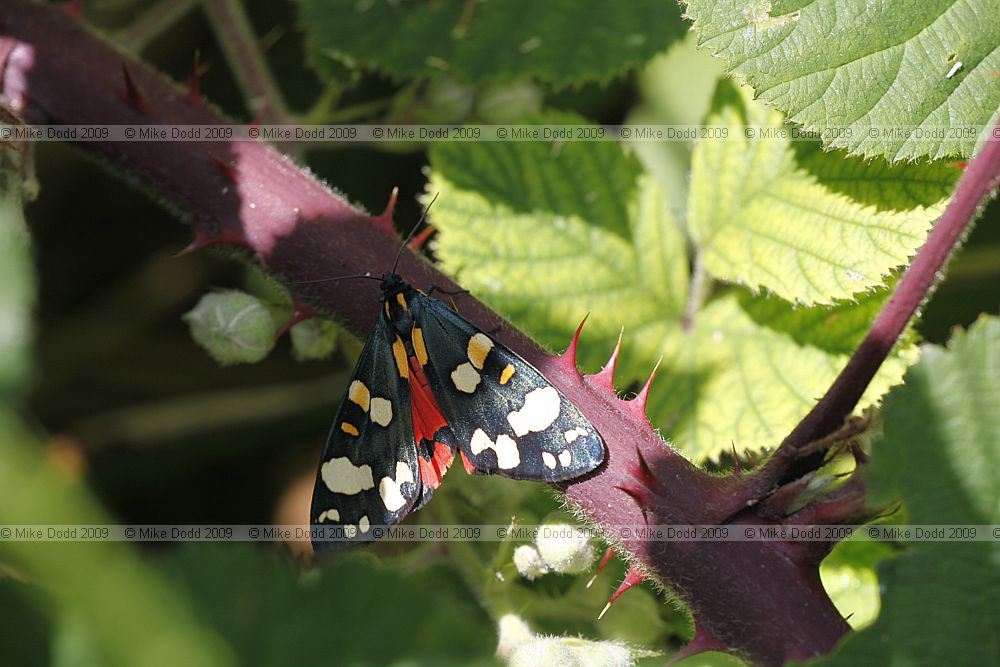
x=330, y=280
x=413, y=231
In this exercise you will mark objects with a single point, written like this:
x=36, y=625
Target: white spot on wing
x=549, y=460
x=328, y=515
x=465, y=378
x=565, y=458
x=388, y=488
x=541, y=407
x=505, y=447
x=381, y=411
x=342, y=476
x=364, y=524
x=574, y=433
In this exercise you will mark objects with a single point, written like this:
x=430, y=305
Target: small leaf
x=232, y=326
x=561, y=41
x=812, y=227
x=314, y=339
x=939, y=453
x=856, y=68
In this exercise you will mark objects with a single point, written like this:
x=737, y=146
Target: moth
x=428, y=387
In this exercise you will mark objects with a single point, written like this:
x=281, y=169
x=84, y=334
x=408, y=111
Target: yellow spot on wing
x=350, y=429
x=479, y=346
x=358, y=393
x=399, y=352
x=417, y=338
x=402, y=301
x=507, y=374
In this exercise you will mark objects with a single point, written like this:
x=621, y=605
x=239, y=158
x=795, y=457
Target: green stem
x=152, y=23
x=239, y=42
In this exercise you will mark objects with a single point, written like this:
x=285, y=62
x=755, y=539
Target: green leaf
x=114, y=603
x=751, y=367
x=233, y=326
x=940, y=453
x=352, y=610
x=849, y=578
x=547, y=232
x=314, y=339
x=17, y=281
x=560, y=41
x=769, y=211
x=850, y=67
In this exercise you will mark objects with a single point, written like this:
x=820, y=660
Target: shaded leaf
x=559, y=41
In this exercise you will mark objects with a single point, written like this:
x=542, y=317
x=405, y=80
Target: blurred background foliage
x=121, y=417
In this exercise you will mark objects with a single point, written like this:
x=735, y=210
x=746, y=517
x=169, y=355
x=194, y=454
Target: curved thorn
x=702, y=641
x=632, y=577
x=608, y=555
x=606, y=377
x=646, y=475
x=132, y=95
x=570, y=352
x=384, y=219
x=643, y=395
x=225, y=168
x=194, y=89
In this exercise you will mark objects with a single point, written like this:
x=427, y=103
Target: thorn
x=608, y=555
x=737, y=466
x=132, y=94
x=646, y=475
x=637, y=406
x=570, y=352
x=606, y=377
x=384, y=220
x=422, y=237
x=259, y=116
x=225, y=168
x=74, y=8
x=567, y=360
x=702, y=642
x=300, y=313
x=203, y=238
x=632, y=577
x=194, y=90
x=636, y=493
x=860, y=458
